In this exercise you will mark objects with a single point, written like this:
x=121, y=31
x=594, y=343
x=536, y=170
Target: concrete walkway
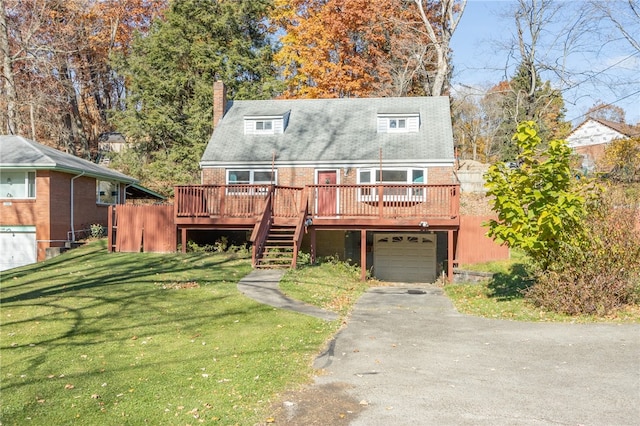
x=262, y=285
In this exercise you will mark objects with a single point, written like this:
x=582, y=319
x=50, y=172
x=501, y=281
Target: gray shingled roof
x=333, y=131
x=19, y=152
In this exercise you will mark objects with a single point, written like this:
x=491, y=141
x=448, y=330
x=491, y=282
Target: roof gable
x=19, y=152
x=333, y=131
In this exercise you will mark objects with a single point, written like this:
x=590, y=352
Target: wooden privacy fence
x=474, y=246
x=148, y=228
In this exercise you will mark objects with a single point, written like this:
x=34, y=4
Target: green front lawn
x=93, y=338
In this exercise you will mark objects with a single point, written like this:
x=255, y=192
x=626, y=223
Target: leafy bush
x=220, y=246
x=97, y=231
x=599, y=273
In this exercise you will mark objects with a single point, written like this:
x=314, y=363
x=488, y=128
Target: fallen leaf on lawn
x=69, y=386
x=271, y=420
x=95, y=396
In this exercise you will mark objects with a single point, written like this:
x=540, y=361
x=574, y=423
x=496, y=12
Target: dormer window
x=398, y=123
x=265, y=124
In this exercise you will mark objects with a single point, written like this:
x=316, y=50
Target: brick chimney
x=219, y=101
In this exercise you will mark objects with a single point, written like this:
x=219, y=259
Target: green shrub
x=97, y=231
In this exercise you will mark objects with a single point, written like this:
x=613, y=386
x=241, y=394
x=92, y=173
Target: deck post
x=184, y=240
x=363, y=254
x=312, y=237
x=450, y=256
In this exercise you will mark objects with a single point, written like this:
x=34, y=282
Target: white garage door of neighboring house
x=405, y=257
x=17, y=246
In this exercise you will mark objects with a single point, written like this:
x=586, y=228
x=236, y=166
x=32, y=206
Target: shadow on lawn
x=512, y=284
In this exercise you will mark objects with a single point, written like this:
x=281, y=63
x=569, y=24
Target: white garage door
x=405, y=257
x=17, y=246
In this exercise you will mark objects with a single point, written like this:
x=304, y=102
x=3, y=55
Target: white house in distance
x=591, y=137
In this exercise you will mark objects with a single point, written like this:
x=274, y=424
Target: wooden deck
x=328, y=206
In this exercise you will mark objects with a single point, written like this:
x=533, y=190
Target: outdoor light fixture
x=424, y=224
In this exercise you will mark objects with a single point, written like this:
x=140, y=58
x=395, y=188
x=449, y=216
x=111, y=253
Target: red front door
x=327, y=195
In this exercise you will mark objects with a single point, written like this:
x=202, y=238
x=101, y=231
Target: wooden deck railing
x=398, y=201
x=343, y=201
x=240, y=201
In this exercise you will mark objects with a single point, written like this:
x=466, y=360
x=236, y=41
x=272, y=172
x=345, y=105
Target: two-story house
x=371, y=180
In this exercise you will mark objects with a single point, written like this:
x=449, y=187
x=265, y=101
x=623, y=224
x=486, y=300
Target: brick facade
x=301, y=176
x=50, y=212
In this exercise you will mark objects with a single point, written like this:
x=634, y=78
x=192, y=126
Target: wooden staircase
x=278, y=249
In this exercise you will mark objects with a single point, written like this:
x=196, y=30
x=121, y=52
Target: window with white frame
x=264, y=126
x=262, y=178
x=397, y=124
x=108, y=192
x=17, y=184
x=395, y=181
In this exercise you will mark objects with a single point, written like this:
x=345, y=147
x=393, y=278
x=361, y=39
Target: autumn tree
x=336, y=48
x=170, y=74
x=333, y=48
x=55, y=55
x=439, y=28
x=607, y=112
x=622, y=160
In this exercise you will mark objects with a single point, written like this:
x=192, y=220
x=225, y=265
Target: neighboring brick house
x=345, y=153
x=48, y=198
x=592, y=136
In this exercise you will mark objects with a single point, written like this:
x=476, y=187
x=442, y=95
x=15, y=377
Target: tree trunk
x=12, y=116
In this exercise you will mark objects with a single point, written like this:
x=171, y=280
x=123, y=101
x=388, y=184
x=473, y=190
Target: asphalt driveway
x=412, y=359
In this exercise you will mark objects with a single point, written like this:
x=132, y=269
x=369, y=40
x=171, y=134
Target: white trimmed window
x=264, y=178
x=264, y=126
x=17, y=184
x=392, y=177
x=108, y=192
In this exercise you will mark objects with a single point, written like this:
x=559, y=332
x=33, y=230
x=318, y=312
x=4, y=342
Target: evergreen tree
x=169, y=75
x=528, y=98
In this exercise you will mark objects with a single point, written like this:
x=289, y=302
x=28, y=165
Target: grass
x=103, y=339
x=502, y=296
x=330, y=285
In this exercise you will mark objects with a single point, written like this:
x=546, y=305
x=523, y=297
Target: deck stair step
x=278, y=248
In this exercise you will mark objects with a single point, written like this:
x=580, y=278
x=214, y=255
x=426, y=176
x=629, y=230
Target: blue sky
x=480, y=57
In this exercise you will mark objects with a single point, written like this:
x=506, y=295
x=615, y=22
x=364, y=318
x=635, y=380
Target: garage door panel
x=405, y=257
x=17, y=246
